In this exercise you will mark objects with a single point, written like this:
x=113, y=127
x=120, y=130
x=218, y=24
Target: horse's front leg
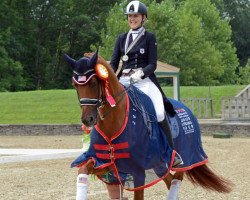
x=139, y=180
x=82, y=183
x=82, y=178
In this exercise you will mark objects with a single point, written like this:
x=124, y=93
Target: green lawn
x=47, y=106
x=61, y=106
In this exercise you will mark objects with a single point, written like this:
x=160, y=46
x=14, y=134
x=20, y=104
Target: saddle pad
x=187, y=137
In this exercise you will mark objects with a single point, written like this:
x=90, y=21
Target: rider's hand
x=137, y=76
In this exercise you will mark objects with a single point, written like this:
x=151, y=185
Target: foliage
x=238, y=15
x=115, y=24
x=237, y=12
x=191, y=36
x=244, y=74
x=40, y=32
x=218, y=33
x=11, y=71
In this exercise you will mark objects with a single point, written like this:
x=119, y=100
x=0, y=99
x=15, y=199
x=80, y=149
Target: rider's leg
x=149, y=88
x=166, y=128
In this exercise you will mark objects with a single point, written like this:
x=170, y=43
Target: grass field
x=61, y=106
x=48, y=106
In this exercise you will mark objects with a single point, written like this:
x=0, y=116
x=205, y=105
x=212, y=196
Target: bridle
x=101, y=101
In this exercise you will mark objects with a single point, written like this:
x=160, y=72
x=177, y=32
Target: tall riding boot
x=166, y=128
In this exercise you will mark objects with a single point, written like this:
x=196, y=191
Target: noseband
x=92, y=102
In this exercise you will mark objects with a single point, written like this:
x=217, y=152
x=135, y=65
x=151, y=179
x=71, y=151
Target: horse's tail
x=203, y=176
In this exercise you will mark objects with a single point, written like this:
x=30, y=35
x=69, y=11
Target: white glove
x=137, y=76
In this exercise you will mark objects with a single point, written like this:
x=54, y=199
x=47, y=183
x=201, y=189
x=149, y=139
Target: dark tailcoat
x=142, y=55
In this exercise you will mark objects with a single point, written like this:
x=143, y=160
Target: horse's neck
x=115, y=117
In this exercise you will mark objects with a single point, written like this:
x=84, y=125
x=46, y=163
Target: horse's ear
x=93, y=59
x=70, y=60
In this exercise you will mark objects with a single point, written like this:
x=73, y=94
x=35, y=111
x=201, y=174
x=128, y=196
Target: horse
x=105, y=106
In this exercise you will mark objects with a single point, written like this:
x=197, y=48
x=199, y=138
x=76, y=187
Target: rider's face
x=135, y=20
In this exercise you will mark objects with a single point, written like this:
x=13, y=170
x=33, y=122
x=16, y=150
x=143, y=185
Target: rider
x=138, y=50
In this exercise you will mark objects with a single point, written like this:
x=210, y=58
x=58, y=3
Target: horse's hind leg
x=168, y=179
x=175, y=186
x=139, y=195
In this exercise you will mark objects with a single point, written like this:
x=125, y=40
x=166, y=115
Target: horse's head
x=88, y=86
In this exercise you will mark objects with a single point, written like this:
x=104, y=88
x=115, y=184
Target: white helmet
x=136, y=7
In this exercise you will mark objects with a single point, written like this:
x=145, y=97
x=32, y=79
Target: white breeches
x=150, y=89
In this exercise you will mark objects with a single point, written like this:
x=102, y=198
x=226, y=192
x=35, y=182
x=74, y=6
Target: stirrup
x=177, y=160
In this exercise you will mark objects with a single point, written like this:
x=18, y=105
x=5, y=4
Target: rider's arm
x=115, y=59
x=152, y=56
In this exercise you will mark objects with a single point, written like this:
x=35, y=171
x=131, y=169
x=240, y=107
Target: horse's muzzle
x=89, y=119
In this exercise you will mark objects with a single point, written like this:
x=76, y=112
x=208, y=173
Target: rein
x=111, y=108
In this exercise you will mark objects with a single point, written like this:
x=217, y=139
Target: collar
x=136, y=31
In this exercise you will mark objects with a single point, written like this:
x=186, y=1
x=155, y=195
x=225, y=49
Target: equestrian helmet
x=136, y=7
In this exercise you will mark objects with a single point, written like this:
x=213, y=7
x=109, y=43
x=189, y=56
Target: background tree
x=238, y=15
x=244, y=74
x=11, y=70
x=38, y=32
x=218, y=33
x=237, y=12
x=191, y=36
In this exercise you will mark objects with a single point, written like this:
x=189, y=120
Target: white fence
x=201, y=107
x=235, y=108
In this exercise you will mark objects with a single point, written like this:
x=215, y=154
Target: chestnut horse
x=104, y=106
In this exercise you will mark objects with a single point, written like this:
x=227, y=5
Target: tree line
x=207, y=39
